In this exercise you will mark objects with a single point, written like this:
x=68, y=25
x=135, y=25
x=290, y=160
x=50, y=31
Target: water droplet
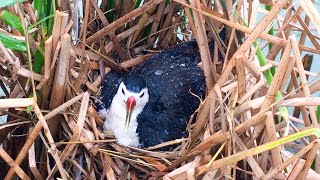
x=172, y=66
x=159, y=72
x=165, y=131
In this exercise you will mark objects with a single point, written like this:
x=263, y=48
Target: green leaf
x=38, y=60
x=271, y=32
x=4, y=3
x=111, y=5
x=45, y=11
x=13, y=43
x=51, y=20
x=30, y=108
x=137, y=4
x=318, y=113
x=12, y=20
x=40, y=21
x=39, y=5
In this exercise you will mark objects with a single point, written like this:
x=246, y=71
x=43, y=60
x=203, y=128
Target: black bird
x=153, y=102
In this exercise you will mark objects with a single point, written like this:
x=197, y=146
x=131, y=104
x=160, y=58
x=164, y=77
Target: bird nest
x=258, y=119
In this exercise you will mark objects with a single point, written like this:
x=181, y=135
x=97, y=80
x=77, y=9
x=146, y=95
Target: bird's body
x=162, y=105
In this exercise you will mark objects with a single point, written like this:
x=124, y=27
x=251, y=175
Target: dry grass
x=242, y=128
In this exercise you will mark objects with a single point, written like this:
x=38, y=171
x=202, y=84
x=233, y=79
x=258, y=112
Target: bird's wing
x=172, y=76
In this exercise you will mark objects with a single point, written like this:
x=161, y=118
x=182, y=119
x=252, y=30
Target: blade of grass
x=12, y=20
x=40, y=21
x=13, y=43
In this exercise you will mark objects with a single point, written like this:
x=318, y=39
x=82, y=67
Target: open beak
x=131, y=103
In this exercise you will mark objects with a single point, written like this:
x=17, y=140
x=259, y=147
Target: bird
x=153, y=102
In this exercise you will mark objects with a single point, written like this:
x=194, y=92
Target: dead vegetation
x=244, y=127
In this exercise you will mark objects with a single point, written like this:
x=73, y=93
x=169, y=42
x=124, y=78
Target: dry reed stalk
x=236, y=157
x=275, y=85
x=30, y=11
x=92, y=55
x=309, y=73
x=288, y=73
x=203, y=46
x=272, y=136
x=304, y=34
x=303, y=101
x=68, y=27
x=91, y=86
x=307, y=165
x=84, y=61
x=303, y=78
x=177, y=172
x=19, y=102
x=191, y=170
x=285, y=164
x=283, y=32
x=5, y=156
x=204, y=112
x=76, y=132
x=82, y=76
x=142, y=21
x=53, y=149
x=312, y=12
x=60, y=82
x=241, y=76
x=64, y=23
x=308, y=32
x=251, y=161
x=47, y=62
x=121, y=21
x=298, y=167
x=262, y=35
x=112, y=35
x=250, y=84
x=106, y=59
x=127, y=64
x=249, y=105
x=171, y=31
x=8, y=57
x=36, y=130
x=109, y=47
x=55, y=55
x=224, y=122
x=29, y=74
x=191, y=22
x=104, y=157
x=32, y=163
x=252, y=91
x=156, y=22
x=93, y=122
x=217, y=138
x=56, y=28
x=313, y=88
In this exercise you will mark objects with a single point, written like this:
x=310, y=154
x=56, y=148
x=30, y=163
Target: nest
x=258, y=119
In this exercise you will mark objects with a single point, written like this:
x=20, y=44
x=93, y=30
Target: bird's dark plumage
x=134, y=83
x=172, y=77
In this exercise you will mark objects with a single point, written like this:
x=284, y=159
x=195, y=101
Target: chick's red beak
x=131, y=103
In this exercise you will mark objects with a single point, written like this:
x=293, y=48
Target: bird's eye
x=142, y=95
x=123, y=92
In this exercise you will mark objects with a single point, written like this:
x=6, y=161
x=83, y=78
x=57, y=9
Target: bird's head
x=133, y=94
